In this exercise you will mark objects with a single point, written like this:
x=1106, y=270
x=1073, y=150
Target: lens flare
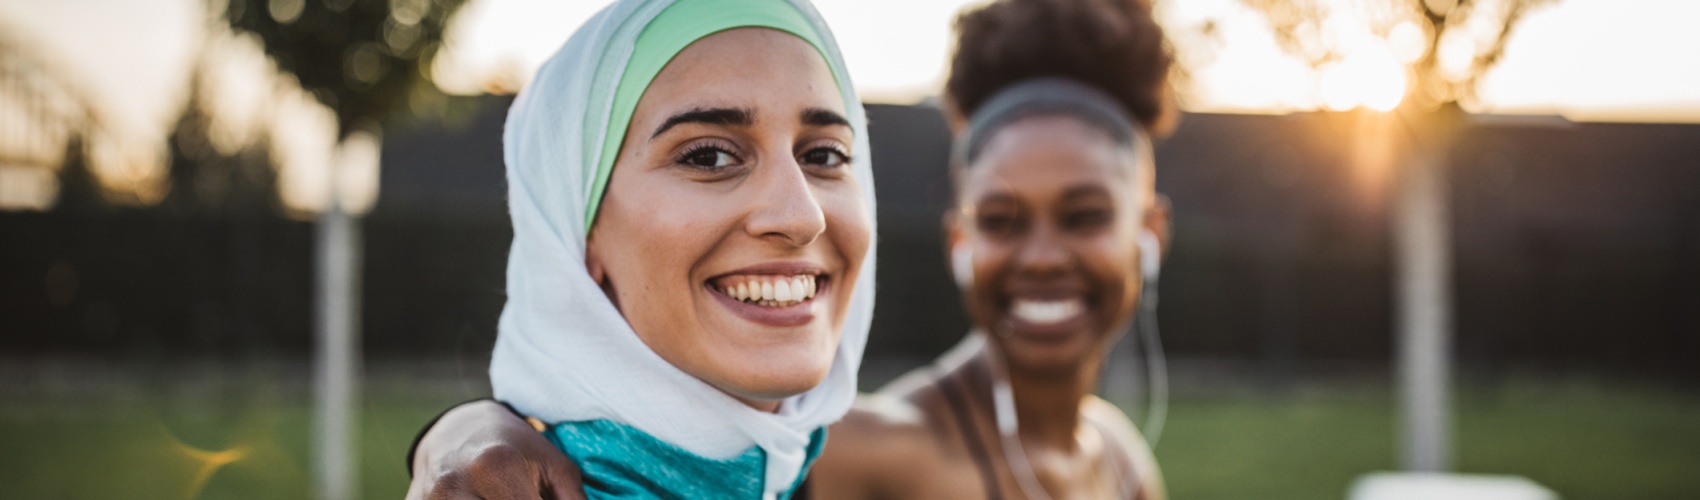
x=208, y=462
x=1370, y=76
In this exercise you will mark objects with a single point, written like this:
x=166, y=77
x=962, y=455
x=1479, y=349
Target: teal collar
x=619, y=461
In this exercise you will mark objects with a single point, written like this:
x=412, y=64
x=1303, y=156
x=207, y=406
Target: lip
x=795, y=315
x=778, y=268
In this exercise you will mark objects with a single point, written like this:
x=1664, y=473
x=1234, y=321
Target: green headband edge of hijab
x=675, y=28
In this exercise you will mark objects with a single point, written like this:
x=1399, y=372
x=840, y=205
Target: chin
x=779, y=375
x=1046, y=361
x=1050, y=356
x=777, y=387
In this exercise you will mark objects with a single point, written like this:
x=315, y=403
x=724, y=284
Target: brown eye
x=998, y=223
x=707, y=158
x=824, y=157
x=1086, y=219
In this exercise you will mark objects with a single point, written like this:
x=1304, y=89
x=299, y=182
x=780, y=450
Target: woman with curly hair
x=1055, y=104
x=1056, y=225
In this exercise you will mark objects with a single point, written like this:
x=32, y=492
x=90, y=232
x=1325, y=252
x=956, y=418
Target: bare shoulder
x=905, y=415
x=882, y=417
x=1121, y=430
x=883, y=442
x=1108, y=417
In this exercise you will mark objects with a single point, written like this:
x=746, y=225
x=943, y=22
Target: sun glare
x=1370, y=76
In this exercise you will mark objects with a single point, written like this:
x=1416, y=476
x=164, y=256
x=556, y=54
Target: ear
x=953, y=117
x=950, y=226
x=956, y=250
x=1157, y=220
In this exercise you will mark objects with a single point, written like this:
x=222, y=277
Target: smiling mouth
x=1047, y=312
x=766, y=290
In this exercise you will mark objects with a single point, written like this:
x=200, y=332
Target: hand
x=480, y=450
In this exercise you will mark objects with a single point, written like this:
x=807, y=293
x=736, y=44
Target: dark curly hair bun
x=1114, y=45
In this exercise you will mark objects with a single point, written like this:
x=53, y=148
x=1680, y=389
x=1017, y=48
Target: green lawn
x=1583, y=440
x=249, y=440
x=257, y=449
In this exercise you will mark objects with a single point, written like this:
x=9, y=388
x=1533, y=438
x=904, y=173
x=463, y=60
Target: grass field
x=1583, y=440
x=246, y=435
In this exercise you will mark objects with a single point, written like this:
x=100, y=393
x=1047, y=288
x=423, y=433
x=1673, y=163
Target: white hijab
x=563, y=352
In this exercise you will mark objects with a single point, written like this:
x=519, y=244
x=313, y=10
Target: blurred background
x=249, y=247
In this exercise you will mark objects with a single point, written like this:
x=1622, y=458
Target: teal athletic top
x=619, y=461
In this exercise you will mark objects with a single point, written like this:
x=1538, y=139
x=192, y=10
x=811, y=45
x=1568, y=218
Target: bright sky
x=132, y=55
x=894, y=57
x=1589, y=59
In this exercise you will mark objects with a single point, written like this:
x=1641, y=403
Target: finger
x=504, y=473
x=562, y=479
x=451, y=486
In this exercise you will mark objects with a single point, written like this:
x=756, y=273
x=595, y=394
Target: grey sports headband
x=1045, y=96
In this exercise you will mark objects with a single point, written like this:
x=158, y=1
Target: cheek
x=988, y=263
x=1114, y=264
x=656, y=243
x=848, y=223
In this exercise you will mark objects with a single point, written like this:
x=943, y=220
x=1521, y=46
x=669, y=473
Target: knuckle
x=448, y=486
x=498, y=459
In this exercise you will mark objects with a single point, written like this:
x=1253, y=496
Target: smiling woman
x=744, y=182
x=692, y=238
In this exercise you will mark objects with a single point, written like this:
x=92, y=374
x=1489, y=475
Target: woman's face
x=1051, y=212
x=732, y=229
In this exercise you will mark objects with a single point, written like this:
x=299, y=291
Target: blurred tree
x=368, y=60
x=51, y=125
x=1450, y=44
x=1447, y=46
x=238, y=181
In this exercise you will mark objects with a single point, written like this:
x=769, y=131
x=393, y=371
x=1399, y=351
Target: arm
x=844, y=468
x=881, y=449
x=483, y=450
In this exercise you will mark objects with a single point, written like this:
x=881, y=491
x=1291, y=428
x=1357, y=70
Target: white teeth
x=1046, y=311
x=771, y=291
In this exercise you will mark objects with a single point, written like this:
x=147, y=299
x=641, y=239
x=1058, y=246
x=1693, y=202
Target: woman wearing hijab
x=687, y=287
x=1056, y=232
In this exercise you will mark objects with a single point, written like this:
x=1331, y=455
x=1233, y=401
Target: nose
x=785, y=207
x=1042, y=253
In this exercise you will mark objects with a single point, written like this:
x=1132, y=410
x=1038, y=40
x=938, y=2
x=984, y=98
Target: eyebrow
x=1087, y=191
x=821, y=117
x=817, y=117
x=710, y=116
x=1069, y=195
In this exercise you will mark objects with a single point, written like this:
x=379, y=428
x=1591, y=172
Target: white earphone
x=1150, y=255
x=962, y=264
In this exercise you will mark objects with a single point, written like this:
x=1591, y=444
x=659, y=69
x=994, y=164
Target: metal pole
x=337, y=355
x=1422, y=259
